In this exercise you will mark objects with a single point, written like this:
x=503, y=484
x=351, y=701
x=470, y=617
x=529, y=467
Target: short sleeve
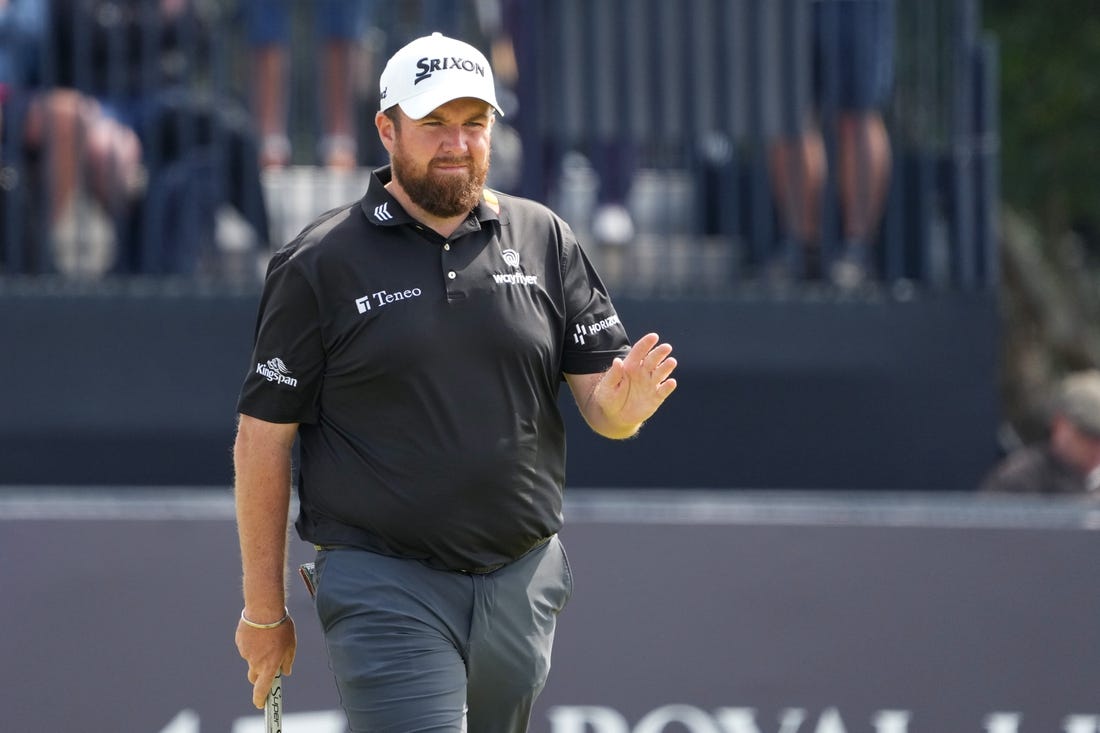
x=285, y=372
x=594, y=334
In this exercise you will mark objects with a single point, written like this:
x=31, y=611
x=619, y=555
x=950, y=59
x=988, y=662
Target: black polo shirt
x=425, y=373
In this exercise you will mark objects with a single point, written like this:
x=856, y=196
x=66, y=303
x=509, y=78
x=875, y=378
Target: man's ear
x=387, y=130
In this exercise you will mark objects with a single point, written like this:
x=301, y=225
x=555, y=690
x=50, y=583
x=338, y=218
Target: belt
x=483, y=570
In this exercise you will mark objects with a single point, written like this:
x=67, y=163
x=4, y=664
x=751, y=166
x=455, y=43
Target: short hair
x=1078, y=400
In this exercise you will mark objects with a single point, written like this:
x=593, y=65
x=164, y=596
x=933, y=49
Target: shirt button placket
x=451, y=275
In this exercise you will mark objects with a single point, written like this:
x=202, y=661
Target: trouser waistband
x=483, y=570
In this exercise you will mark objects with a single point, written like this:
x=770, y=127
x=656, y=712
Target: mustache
x=467, y=161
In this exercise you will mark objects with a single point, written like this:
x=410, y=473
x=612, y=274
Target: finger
x=664, y=369
x=641, y=349
x=665, y=388
x=288, y=664
x=614, y=373
x=259, y=691
x=657, y=355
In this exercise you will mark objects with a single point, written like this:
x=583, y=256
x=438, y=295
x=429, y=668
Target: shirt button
x=451, y=275
x=447, y=246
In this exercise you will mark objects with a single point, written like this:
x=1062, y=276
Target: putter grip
x=273, y=706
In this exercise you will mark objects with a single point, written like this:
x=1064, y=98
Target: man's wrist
x=265, y=624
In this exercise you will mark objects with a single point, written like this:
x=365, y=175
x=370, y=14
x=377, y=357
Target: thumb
x=614, y=373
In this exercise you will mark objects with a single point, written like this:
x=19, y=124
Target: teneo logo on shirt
x=383, y=297
x=429, y=66
x=275, y=371
x=591, y=329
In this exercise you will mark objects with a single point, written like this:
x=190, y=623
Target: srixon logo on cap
x=429, y=66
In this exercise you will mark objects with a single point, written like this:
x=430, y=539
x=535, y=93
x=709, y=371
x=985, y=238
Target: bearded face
x=440, y=194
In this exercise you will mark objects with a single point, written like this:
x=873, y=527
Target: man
x=414, y=342
x=1069, y=461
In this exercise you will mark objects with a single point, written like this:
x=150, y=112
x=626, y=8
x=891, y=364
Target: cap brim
x=422, y=104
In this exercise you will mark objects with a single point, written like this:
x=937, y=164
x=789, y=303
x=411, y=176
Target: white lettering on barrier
x=582, y=718
x=599, y=719
x=1081, y=724
x=743, y=720
x=1001, y=723
x=891, y=721
x=1004, y=722
x=672, y=717
x=689, y=716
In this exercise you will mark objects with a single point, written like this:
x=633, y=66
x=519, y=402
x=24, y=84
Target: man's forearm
x=262, y=492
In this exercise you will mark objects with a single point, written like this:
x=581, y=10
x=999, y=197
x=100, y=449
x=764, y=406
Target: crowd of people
x=134, y=155
x=120, y=159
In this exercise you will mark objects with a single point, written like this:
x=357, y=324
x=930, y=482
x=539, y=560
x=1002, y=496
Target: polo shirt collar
x=382, y=209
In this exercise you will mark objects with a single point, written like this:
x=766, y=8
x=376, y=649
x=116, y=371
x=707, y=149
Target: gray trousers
x=417, y=649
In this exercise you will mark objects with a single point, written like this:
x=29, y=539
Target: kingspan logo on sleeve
x=274, y=370
x=581, y=330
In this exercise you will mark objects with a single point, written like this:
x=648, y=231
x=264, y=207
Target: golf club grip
x=273, y=706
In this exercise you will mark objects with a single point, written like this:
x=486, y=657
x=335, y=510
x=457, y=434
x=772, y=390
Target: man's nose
x=454, y=138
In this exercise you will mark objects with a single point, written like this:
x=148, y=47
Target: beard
x=444, y=196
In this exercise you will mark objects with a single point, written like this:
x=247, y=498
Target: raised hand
x=634, y=387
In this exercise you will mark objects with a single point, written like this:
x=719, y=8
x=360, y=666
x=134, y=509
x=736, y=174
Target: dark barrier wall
x=140, y=388
x=715, y=616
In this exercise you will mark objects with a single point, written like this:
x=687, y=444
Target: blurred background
x=865, y=225
x=868, y=227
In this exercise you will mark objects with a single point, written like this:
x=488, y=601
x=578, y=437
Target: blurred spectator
x=588, y=176
x=72, y=162
x=1068, y=461
x=852, y=78
x=337, y=27
x=152, y=65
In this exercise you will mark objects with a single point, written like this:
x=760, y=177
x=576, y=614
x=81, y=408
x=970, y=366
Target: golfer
x=414, y=343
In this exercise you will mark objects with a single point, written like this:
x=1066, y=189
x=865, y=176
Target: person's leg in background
x=339, y=26
x=89, y=157
x=268, y=31
x=864, y=63
x=798, y=172
x=797, y=157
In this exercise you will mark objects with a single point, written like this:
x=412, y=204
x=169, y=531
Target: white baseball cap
x=433, y=70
